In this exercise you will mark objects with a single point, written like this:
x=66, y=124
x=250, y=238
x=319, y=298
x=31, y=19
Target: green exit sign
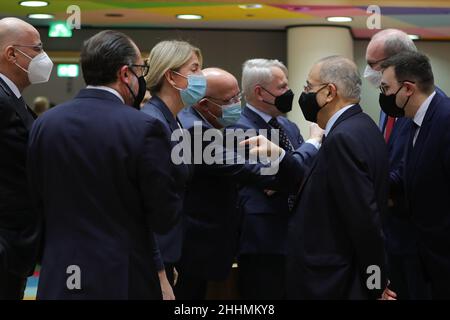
x=59, y=30
x=68, y=70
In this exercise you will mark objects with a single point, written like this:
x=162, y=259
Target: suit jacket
x=212, y=213
x=265, y=222
x=335, y=233
x=169, y=245
x=427, y=184
x=19, y=227
x=103, y=182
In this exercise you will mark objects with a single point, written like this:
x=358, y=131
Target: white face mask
x=39, y=69
x=373, y=76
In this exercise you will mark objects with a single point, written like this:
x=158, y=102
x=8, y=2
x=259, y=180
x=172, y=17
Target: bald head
x=222, y=85
x=16, y=31
x=387, y=43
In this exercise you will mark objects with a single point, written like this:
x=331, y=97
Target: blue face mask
x=230, y=114
x=195, y=90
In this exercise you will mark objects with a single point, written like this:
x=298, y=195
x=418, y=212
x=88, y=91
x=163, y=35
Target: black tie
x=287, y=146
x=284, y=140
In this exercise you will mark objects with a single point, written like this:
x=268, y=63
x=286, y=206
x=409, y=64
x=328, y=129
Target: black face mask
x=309, y=106
x=141, y=91
x=282, y=102
x=389, y=106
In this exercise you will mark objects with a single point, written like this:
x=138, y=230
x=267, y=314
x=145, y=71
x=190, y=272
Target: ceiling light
x=414, y=36
x=34, y=4
x=40, y=16
x=189, y=16
x=339, y=19
x=250, y=6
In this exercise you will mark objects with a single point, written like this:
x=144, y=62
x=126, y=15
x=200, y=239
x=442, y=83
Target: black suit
x=104, y=182
x=335, y=232
x=18, y=224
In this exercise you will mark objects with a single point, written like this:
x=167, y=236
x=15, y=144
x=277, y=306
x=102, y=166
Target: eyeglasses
x=38, y=48
x=374, y=63
x=144, y=68
x=235, y=99
x=307, y=88
x=385, y=88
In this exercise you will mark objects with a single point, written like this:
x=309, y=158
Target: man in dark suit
x=407, y=89
x=212, y=216
x=335, y=242
x=405, y=274
x=22, y=62
x=262, y=246
x=103, y=181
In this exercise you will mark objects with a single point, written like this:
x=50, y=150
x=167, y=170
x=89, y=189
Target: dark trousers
x=407, y=278
x=190, y=287
x=12, y=287
x=262, y=277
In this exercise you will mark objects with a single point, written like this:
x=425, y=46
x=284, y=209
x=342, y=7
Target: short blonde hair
x=168, y=55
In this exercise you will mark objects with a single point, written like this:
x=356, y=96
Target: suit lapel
x=415, y=152
x=347, y=114
x=19, y=106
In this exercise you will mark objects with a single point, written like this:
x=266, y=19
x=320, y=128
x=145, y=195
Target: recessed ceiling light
x=189, y=16
x=40, y=16
x=33, y=3
x=250, y=6
x=414, y=36
x=339, y=19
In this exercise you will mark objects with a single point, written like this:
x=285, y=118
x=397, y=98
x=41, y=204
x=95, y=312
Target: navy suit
x=427, y=188
x=19, y=227
x=263, y=241
x=213, y=216
x=168, y=250
x=103, y=182
x=335, y=232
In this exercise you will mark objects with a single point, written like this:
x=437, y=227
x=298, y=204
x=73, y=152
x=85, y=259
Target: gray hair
x=258, y=71
x=343, y=73
x=395, y=41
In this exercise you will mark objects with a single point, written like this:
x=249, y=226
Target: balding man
x=211, y=203
x=401, y=244
x=22, y=62
x=335, y=242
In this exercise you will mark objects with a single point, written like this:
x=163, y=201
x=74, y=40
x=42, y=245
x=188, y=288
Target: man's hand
x=388, y=294
x=262, y=147
x=316, y=132
x=166, y=288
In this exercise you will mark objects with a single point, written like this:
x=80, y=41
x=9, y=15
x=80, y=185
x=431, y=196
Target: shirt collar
x=11, y=85
x=109, y=89
x=333, y=119
x=420, y=114
x=260, y=113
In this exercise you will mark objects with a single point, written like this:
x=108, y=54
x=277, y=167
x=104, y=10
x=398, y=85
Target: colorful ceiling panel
x=428, y=19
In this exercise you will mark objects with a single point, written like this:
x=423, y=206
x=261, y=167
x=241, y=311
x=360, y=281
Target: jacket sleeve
x=354, y=193
x=158, y=187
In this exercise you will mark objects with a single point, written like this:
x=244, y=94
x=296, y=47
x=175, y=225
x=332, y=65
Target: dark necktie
x=284, y=140
x=287, y=146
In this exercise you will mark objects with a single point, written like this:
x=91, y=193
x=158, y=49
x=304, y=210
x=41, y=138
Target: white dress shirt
x=11, y=85
x=420, y=114
x=335, y=116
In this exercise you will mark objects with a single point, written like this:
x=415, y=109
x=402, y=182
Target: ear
x=169, y=77
x=10, y=54
x=124, y=74
x=332, y=92
x=257, y=90
x=410, y=88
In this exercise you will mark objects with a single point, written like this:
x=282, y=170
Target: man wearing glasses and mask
x=103, y=182
x=22, y=63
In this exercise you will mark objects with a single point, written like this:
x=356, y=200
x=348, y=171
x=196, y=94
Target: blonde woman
x=175, y=81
